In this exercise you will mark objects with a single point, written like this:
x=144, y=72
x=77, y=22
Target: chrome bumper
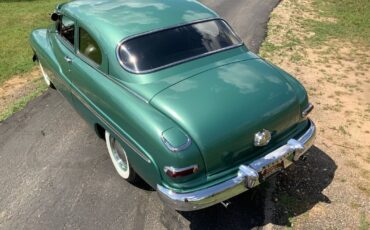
x=248, y=176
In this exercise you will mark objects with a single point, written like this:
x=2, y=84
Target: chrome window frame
x=63, y=39
x=241, y=43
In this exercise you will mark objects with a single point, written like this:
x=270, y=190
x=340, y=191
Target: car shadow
x=285, y=195
x=300, y=188
x=141, y=184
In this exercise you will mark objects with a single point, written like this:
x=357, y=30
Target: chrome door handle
x=68, y=59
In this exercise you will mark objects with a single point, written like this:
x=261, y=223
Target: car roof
x=115, y=20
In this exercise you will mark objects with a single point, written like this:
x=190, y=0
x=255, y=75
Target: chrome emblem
x=262, y=138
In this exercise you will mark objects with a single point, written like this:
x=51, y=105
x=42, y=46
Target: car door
x=64, y=49
x=88, y=80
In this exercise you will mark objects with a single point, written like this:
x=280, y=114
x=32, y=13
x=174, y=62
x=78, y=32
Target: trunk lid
x=222, y=109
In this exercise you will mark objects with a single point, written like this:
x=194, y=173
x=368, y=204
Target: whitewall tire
x=119, y=158
x=45, y=75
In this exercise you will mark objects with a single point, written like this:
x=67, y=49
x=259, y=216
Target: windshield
x=164, y=48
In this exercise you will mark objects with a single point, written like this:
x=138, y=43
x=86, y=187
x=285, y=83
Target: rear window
x=164, y=48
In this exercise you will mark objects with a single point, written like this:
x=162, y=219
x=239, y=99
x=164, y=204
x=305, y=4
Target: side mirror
x=55, y=17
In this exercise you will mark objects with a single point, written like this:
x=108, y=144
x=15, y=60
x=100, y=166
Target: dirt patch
x=17, y=87
x=336, y=75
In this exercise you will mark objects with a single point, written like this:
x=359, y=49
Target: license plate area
x=262, y=168
x=271, y=169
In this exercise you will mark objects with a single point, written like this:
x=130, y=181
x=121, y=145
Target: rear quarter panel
x=135, y=122
x=100, y=106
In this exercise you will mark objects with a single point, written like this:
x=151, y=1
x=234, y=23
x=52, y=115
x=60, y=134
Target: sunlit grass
x=17, y=20
x=351, y=20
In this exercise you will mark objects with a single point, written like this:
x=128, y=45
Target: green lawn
x=17, y=19
x=352, y=20
x=346, y=20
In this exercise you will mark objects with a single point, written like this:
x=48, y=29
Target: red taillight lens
x=180, y=172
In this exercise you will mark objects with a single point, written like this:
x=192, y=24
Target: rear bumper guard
x=248, y=176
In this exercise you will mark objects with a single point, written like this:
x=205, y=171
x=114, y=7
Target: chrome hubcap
x=118, y=153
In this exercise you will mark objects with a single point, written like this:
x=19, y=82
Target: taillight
x=307, y=110
x=180, y=172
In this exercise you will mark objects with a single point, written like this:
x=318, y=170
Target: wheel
x=46, y=77
x=119, y=158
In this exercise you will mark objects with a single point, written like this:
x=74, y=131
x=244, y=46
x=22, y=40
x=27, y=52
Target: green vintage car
x=179, y=99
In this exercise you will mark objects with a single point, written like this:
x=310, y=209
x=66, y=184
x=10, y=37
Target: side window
x=89, y=48
x=66, y=29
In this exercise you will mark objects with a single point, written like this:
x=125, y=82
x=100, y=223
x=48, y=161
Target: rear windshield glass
x=160, y=49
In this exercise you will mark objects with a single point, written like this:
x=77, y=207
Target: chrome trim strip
x=111, y=127
x=178, y=148
x=142, y=155
x=246, y=178
x=307, y=110
x=177, y=62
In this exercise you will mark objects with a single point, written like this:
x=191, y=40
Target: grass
x=365, y=188
x=40, y=87
x=343, y=130
x=348, y=20
x=291, y=41
x=364, y=224
x=17, y=19
x=351, y=20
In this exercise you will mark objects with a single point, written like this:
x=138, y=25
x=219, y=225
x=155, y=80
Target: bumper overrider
x=248, y=176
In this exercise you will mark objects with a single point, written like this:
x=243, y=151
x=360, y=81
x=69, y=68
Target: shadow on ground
x=300, y=187
x=292, y=193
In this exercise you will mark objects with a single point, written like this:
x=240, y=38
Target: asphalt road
x=55, y=173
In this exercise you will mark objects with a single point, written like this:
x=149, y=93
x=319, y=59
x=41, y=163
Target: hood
x=223, y=108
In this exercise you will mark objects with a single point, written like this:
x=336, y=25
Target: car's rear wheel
x=119, y=158
x=46, y=76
